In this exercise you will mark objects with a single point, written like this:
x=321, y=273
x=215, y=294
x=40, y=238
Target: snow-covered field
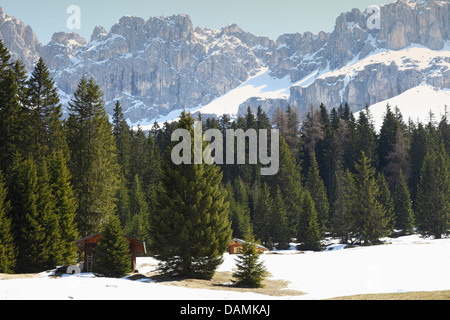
x=408, y=263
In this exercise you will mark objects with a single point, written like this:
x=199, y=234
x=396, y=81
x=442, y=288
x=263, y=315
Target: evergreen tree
x=139, y=210
x=343, y=205
x=45, y=130
x=189, y=227
x=388, y=133
x=123, y=138
x=364, y=139
x=420, y=146
x=11, y=117
x=308, y=230
x=316, y=188
x=433, y=203
x=112, y=254
x=289, y=180
x=262, y=216
x=279, y=229
x=7, y=249
x=65, y=206
x=369, y=214
x=387, y=201
x=33, y=220
x=93, y=164
x=403, y=206
x=250, y=271
x=241, y=223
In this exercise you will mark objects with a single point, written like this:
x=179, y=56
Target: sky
x=265, y=18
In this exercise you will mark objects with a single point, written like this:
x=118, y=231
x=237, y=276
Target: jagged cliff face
x=162, y=64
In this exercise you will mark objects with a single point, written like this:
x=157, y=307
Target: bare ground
x=223, y=281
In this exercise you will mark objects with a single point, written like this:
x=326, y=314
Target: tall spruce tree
x=370, y=222
x=262, y=216
x=318, y=192
x=343, y=205
x=140, y=212
x=433, y=203
x=387, y=201
x=93, y=164
x=7, y=248
x=123, y=138
x=35, y=225
x=279, y=228
x=308, y=226
x=11, y=115
x=190, y=229
x=404, y=215
x=45, y=129
x=65, y=206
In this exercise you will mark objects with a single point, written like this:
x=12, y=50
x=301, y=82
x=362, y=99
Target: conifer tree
x=123, y=138
x=289, y=180
x=403, y=207
x=370, y=215
x=343, y=205
x=250, y=271
x=32, y=219
x=239, y=210
x=279, y=229
x=386, y=199
x=112, y=254
x=308, y=227
x=7, y=248
x=65, y=205
x=139, y=210
x=262, y=216
x=433, y=203
x=45, y=130
x=316, y=188
x=11, y=116
x=189, y=227
x=93, y=164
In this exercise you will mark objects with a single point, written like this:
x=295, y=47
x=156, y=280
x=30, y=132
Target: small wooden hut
x=236, y=246
x=88, y=244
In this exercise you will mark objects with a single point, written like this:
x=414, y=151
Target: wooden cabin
x=88, y=244
x=236, y=247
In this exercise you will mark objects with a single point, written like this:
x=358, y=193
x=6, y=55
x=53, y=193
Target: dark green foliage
x=279, y=228
x=93, y=164
x=7, y=250
x=369, y=214
x=404, y=215
x=316, y=188
x=65, y=206
x=112, y=254
x=45, y=130
x=189, y=227
x=250, y=271
x=139, y=212
x=343, y=205
x=433, y=203
x=387, y=201
x=308, y=226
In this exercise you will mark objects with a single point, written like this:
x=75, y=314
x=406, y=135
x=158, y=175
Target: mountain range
x=159, y=66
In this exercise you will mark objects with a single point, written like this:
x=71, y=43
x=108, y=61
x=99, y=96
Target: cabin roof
x=242, y=242
x=94, y=238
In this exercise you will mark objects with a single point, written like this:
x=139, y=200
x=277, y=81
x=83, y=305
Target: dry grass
x=223, y=281
x=418, y=295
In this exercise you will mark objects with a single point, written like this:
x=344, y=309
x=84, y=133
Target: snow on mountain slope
x=261, y=85
x=415, y=104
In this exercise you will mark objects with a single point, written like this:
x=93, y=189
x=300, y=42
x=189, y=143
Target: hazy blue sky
x=268, y=18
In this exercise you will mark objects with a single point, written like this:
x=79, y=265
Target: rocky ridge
x=163, y=64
